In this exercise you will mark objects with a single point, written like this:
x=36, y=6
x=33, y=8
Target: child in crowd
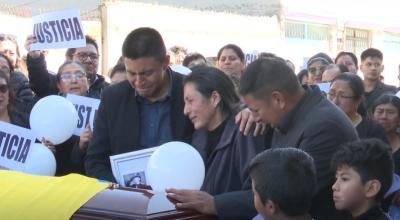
x=283, y=182
x=364, y=172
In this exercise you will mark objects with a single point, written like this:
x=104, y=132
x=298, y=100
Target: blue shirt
x=155, y=119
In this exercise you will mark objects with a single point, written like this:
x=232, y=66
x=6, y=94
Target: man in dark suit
x=144, y=111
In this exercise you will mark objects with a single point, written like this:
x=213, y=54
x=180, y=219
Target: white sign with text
x=60, y=29
x=87, y=110
x=15, y=145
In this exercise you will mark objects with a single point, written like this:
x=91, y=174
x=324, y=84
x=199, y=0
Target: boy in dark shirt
x=283, y=182
x=364, y=172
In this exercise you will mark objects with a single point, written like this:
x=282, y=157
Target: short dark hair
x=235, y=48
x=370, y=158
x=357, y=86
x=89, y=40
x=266, y=75
x=117, y=68
x=209, y=79
x=350, y=54
x=287, y=177
x=372, y=53
x=10, y=65
x=387, y=99
x=192, y=56
x=266, y=55
x=302, y=74
x=355, y=82
x=66, y=63
x=177, y=49
x=144, y=42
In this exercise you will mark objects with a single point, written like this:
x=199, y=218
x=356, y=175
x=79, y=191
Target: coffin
x=126, y=203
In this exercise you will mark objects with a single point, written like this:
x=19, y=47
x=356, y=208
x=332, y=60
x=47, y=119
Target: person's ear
x=382, y=68
x=372, y=188
x=215, y=98
x=278, y=99
x=166, y=62
x=270, y=207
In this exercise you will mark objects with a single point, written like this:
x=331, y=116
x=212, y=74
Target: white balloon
x=175, y=165
x=53, y=118
x=181, y=69
x=40, y=161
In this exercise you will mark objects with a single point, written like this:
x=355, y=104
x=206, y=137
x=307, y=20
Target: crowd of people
x=272, y=142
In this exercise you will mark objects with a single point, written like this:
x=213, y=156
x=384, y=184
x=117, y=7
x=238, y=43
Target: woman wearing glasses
x=347, y=92
x=72, y=79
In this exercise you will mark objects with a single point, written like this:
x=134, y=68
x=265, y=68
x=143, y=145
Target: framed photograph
x=129, y=169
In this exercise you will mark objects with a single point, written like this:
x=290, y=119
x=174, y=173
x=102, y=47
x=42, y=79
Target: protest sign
x=15, y=145
x=61, y=29
x=87, y=110
x=324, y=87
x=249, y=57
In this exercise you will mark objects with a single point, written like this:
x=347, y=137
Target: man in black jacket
x=44, y=83
x=372, y=68
x=303, y=118
x=144, y=111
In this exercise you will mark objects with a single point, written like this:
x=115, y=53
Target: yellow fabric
x=24, y=196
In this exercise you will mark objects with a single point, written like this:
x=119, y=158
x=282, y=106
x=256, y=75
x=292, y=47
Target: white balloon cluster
x=53, y=118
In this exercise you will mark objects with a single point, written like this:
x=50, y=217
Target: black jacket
x=24, y=100
x=20, y=86
x=227, y=164
x=379, y=90
x=316, y=126
x=44, y=83
x=116, y=128
x=371, y=129
x=374, y=213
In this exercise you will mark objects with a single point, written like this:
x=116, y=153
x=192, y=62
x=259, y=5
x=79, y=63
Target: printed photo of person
x=135, y=180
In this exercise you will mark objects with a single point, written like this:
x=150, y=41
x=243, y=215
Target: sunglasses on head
x=3, y=88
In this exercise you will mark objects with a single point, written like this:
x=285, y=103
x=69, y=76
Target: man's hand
x=245, y=120
x=193, y=199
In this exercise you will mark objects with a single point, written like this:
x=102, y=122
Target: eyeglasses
x=3, y=88
x=85, y=56
x=67, y=77
x=332, y=96
x=313, y=70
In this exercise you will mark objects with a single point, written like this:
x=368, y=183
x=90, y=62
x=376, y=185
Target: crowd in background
x=239, y=118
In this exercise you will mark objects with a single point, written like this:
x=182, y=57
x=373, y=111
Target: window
x=306, y=31
x=356, y=40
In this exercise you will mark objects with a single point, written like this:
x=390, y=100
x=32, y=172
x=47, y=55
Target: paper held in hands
x=60, y=29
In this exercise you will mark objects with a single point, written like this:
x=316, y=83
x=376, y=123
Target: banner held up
x=61, y=29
